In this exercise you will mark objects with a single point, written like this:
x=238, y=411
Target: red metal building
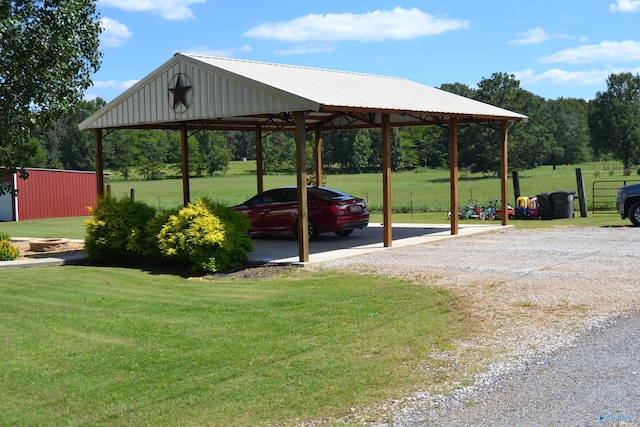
x=48, y=193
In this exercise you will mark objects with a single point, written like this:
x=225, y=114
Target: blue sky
x=556, y=48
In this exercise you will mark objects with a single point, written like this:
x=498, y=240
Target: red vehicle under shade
x=276, y=212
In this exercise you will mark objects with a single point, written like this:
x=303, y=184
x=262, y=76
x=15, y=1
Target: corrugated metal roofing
x=239, y=94
x=356, y=90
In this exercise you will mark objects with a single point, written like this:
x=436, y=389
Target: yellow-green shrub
x=209, y=242
x=8, y=251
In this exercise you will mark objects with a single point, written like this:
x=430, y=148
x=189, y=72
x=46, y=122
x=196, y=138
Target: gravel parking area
x=536, y=293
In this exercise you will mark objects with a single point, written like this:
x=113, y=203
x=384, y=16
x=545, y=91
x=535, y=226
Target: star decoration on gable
x=181, y=92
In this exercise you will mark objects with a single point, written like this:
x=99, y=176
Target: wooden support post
x=504, y=170
x=99, y=163
x=386, y=181
x=132, y=194
x=453, y=173
x=318, y=158
x=301, y=169
x=259, y=161
x=184, y=144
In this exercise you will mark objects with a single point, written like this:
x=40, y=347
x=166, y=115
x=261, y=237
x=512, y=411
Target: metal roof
x=222, y=93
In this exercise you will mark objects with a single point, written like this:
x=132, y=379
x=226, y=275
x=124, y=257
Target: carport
x=190, y=93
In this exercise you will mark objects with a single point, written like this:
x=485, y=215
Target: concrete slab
x=284, y=249
x=43, y=260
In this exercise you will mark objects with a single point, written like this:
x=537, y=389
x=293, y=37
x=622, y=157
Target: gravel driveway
x=558, y=309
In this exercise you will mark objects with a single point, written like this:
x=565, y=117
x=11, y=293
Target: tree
x=49, y=50
x=571, y=131
x=67, y=146
x=614, y=119
x=279, y=151
x=528, y=144
x=214, y=151
x=360, y=150
x=152, y=153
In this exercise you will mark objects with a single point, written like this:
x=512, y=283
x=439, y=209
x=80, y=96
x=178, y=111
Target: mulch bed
x=250, y=270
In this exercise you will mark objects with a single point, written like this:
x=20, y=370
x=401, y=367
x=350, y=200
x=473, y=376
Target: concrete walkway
x=44, y=259
x=284, y=249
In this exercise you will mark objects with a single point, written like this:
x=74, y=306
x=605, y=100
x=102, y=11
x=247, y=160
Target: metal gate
x=604, y=194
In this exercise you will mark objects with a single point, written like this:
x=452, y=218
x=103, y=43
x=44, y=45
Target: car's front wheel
x=634, y=214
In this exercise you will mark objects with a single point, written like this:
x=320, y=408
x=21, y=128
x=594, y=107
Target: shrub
x=236, y=245
x=4, y=236
x=118, y=228
x=8, y=251
x=209, y=236
x=154, y=226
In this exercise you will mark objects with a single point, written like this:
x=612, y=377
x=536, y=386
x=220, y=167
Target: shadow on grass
x=163, y=266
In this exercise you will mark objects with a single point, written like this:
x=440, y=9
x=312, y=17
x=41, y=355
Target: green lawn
x=119, y=346
x=113, y=346
x=417, y=190
x=417, y=196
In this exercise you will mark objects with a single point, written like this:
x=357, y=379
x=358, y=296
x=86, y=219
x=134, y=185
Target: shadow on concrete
x=284, y=249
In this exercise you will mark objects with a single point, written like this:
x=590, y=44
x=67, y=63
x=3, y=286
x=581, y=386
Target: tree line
x=561, y=131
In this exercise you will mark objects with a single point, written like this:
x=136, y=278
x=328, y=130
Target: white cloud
x=117, y=85
x=396, y=24
x=223, y=52
x=173, y=10
x=538, y=35
x=570, y=78
x=625, y=6
x=605, y=51
x=306, y=49
x=114, y=33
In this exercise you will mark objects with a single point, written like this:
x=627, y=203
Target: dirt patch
x=250, y=271
x=63, y=250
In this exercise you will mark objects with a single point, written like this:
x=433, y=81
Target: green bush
x=211, y=237
x=8, y=251
x=4, y=236
x=236, y=245
x=118, y=228
x=154, y=226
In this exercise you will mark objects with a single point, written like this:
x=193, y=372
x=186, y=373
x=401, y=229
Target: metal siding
x=56, y=194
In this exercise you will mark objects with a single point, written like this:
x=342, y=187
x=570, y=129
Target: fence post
x=133, y=194
x=582, y=197
x=516, y=185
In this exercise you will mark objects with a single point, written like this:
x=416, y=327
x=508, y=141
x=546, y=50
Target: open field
x=73, y=228
x=116, y=346
x=423, y=190
x=418, y=196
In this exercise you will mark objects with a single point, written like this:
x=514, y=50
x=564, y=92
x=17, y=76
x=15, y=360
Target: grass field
x=424, y=190
x=418, y=196
x=125, y=347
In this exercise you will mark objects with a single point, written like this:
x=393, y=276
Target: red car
x=276, y=212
